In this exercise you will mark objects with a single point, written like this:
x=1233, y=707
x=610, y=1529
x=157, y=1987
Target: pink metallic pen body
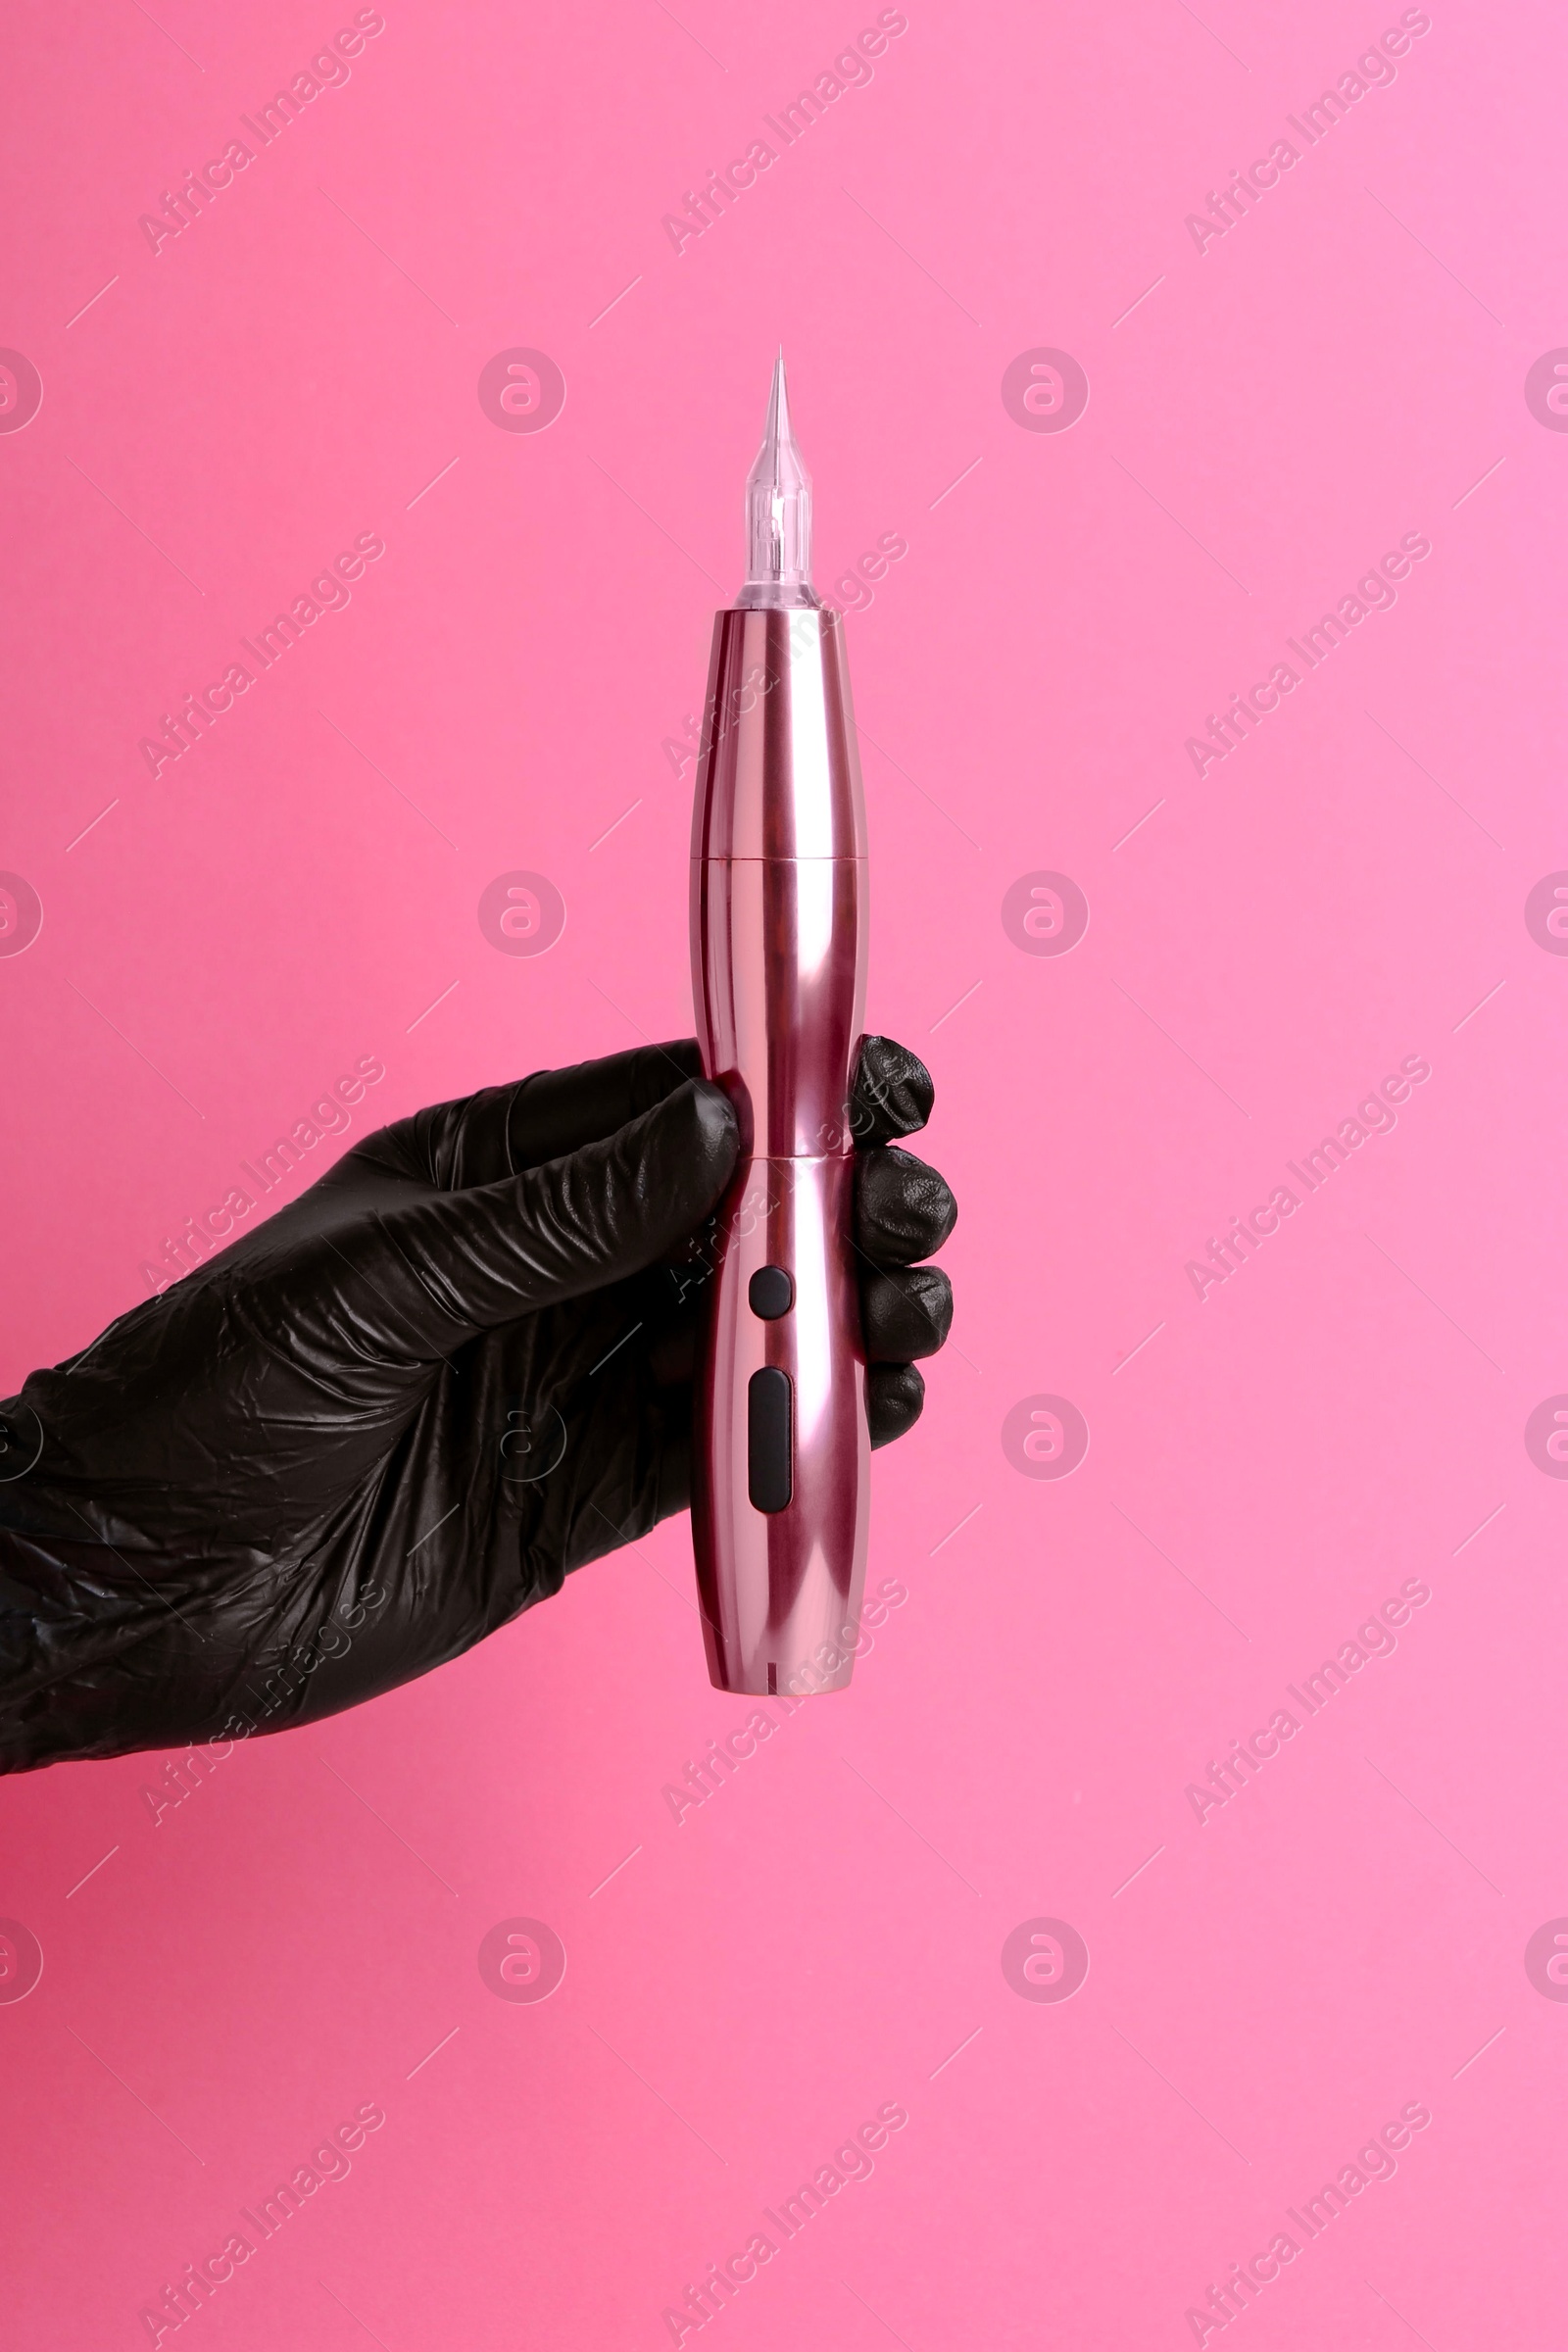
x=778, y=919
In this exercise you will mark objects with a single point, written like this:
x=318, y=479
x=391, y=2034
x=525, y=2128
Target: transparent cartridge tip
x=778, y=512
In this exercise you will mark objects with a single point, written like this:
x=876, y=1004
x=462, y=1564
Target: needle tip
x=778, y=509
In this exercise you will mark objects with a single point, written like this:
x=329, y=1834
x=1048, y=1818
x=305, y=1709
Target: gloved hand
x=382, y=1422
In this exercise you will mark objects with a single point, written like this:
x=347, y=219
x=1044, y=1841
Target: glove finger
x=906, y=1314
x=555, y=1111
x=466, y=1261
x=903, y=1208
x=501, y=1130
x=891, y=1093
x=893, y=1395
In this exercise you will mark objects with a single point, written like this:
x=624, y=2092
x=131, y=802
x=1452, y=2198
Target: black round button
x=771, y=1293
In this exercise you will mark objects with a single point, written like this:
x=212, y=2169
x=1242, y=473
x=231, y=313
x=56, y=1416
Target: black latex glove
x=382, y=1422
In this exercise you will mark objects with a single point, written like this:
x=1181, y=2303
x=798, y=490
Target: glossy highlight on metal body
x=778, y=919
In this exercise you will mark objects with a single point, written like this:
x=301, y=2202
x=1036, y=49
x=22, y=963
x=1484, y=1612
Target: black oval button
x=771, y=1293
x=770, y=1439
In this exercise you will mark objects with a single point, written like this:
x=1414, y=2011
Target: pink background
x=1267, y=1987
